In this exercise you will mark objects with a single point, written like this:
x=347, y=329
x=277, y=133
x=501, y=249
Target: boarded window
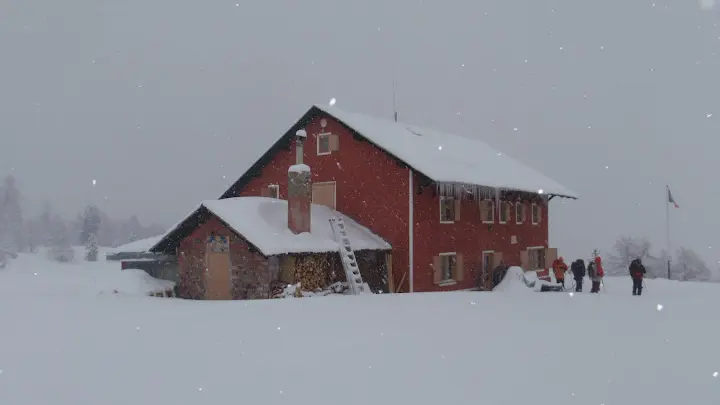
x=505, y=212
x=323, y=144
x=519, y=212
x=449, y=209
x=324, y=194
x=487, y=211
x=536, y=259
x=536, y=213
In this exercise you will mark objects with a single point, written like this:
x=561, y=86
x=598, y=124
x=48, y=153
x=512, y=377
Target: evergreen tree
x=11, y=221
x=91, y=248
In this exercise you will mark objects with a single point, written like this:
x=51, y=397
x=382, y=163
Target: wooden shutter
x=524, y=260
x=324, y=194
x=460, y=267
x=265, y=192
x=388, y=266
x=437, y=270
x=497, y=258
x=334, y=140
x=457, y=210
x=539, y=213
x=550, y=256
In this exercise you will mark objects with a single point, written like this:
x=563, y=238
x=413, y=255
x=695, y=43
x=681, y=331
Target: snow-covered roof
x=448, y=158
x=263, y=222
x=138, y=246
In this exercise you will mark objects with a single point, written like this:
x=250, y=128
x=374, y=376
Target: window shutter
x=388, y=266
x=334, y=142
x=457, y=210
x=539, y=211
x=550, y=256
x=437, y=270
x=524, y=262
x=265, y=192
x=497, y=258
x=483, y=210
x=460, y=270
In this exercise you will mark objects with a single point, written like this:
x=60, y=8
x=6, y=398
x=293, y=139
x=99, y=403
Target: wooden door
x=487, y=270
x=218, y=282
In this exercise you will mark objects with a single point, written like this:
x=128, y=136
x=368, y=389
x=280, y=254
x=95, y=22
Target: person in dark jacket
x=578, y=270
x=637, y=272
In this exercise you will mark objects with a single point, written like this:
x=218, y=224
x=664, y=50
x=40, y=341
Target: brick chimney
x=299, y=189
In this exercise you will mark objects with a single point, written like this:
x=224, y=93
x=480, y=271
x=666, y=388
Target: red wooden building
x=450, y=207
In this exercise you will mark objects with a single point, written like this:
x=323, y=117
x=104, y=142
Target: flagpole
x=667, y=222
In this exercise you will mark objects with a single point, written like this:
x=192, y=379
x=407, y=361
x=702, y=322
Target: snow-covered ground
x=65, y=341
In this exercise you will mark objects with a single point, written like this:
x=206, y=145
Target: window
x=327, y=143
x=324, y=194
x=536, y=258
x=519, y=213
x=535, y=214
x=448, y=268
x=449, y=210
x=487, y=211
x=504, y=212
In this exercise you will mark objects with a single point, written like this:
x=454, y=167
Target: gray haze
x=165, y=102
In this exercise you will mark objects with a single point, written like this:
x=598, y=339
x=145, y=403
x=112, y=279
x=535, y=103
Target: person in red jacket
x=560, y=268
x=597, y=274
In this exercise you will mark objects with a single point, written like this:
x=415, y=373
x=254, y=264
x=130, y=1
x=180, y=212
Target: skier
x=597, y=274
x=578, y=270
x=559, y=267
x=637, y=272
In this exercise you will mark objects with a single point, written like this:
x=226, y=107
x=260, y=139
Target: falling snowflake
x=439, y=147
x=94, y=182
x=332, y=101
x=541, y=191
x=602, y=48
x=659, y=307
x=571, y=294
x=607, y=167
x=200, y=389
x=515, y=129
x=473, y=303
x=715, y=374
x=708, y=115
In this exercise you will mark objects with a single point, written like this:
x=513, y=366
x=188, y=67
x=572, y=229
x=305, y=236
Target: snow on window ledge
x=447, y=283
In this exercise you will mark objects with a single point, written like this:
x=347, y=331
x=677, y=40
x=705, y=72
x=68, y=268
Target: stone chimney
x=299, y=189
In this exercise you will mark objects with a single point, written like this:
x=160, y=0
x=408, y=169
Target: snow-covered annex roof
x=263, y=222
x=138, y=246
x=441, y=157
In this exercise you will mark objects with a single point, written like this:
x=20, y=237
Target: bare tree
x=689, y=266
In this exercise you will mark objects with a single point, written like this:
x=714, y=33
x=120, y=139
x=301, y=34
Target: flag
x=671, y=200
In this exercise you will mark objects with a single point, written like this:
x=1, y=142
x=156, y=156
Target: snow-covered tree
x=11, y=220
x=89, y=233
x=625, y=250
x=689, y=266
x=61, y=248
x=91, y=248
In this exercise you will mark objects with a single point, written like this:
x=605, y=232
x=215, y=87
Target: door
x=487, y=267
x=218, y=282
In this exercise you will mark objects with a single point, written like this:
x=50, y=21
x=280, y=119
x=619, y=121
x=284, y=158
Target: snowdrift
x=81, y=347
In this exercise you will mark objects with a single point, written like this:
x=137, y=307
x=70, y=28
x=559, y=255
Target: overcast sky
x=166, y=102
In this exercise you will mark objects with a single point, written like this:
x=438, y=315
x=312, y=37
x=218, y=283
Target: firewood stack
x=311, y=272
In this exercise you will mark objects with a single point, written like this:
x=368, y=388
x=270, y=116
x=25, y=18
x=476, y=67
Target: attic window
x=327, y=143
